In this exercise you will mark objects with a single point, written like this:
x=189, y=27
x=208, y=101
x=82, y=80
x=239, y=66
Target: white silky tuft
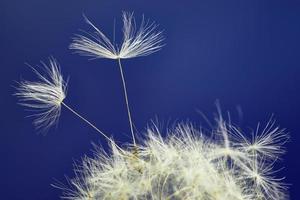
x=186, y=164
x=136, y=42
x=44, y=96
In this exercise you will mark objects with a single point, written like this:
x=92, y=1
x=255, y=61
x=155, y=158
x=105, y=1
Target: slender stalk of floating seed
x=90, y=124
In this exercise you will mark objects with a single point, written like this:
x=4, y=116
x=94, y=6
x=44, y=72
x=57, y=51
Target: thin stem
x=126, y=100
x=90, y=124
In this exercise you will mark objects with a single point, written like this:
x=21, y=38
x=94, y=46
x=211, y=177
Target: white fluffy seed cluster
x=185, y=165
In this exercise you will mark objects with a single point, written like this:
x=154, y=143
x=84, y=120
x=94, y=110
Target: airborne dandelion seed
x=142, y=42
x=46, y=97
x=221, y=164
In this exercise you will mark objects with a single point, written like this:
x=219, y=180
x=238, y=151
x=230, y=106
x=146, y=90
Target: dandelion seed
x=268, y=142
x=142, y=42
x=261, y=174
x=44, y=96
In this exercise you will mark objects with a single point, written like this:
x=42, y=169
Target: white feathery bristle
x=136, y=42
x=186, y=164
x=44, y=96
x=142, y=42
x=94, y=45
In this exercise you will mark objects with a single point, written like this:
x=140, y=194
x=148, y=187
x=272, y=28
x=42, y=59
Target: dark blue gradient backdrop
x=243, y=53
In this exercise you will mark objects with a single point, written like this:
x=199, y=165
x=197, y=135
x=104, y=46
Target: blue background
x=244, y=53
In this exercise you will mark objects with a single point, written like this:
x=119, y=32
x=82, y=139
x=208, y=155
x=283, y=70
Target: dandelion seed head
x=186, y=164
x=45, y=96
